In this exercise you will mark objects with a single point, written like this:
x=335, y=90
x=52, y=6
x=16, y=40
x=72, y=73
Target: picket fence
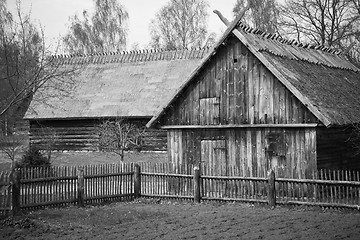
x=81, y=185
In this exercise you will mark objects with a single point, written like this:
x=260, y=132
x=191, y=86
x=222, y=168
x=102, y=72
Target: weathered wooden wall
x=236, y=88
x=335, y=149
x=74, y=135
x=67, y=135
x=291, y=152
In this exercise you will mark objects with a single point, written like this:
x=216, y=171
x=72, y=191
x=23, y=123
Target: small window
x=275, y=150
x=209, y=111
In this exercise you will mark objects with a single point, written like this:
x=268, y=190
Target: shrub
x=33, y=158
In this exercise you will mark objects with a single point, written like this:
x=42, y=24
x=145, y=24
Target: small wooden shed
x=259, y=102
x=129, y=85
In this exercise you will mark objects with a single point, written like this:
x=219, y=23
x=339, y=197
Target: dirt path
x=172, y=220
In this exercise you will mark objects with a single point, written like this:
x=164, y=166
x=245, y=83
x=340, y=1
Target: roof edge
x=83, y=118
x=297, y=44
x=132, y=56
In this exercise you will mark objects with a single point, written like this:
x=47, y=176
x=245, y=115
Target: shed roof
x=131, y=84
x=321, y=78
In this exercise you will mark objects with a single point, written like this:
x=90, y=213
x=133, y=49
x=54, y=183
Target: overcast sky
x=54, y=15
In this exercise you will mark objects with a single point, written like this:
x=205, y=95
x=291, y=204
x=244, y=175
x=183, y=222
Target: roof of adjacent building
x=323, y=79
x=121, y=84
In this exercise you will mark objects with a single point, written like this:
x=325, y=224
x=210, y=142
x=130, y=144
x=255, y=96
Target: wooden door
x=213, y=157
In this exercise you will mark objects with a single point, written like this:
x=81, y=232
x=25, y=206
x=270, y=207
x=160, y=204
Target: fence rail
x=32, y=188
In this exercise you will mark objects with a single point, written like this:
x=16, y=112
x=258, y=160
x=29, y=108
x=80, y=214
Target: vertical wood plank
x=263, y=93
x=249, y=153
x=80, y=187
x=196, y=180
x=137, y=181
x=15, y=192
x=270, y=98
x=250, y=83
x=245, y=83
x=256, y=86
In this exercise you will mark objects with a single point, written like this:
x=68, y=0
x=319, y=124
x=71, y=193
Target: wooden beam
x=295, y=125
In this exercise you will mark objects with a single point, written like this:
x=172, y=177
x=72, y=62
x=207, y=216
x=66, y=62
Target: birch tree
x=103, y=30
x=262, y=14
x=180, y=24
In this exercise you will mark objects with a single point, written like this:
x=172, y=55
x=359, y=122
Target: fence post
x=80, y=187
x=271, y=189
x=15, y=192
x=197, y=185
x=137, y=181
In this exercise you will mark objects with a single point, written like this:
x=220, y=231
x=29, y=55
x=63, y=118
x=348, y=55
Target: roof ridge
x=133, y=53
x=277, y=37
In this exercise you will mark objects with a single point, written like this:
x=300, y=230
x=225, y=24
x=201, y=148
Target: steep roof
x=131, y=84
x=321, y=78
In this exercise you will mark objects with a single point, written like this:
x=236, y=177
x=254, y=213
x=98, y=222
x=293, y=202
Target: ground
x=162, y=219
x=149, y=219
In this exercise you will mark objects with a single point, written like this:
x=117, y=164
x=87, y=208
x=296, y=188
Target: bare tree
x=11, y=146
x=28, y=72
x=262, y=14
x=104, y=30
x=27, y=67
x=180, y=24
x=118, y=135
x=49, y=139
x=332, y=23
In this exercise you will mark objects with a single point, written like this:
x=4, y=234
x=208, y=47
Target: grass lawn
x=87, y=158
x=163, y=219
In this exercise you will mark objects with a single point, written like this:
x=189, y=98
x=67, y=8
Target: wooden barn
x=259, y=102
x=130, y=85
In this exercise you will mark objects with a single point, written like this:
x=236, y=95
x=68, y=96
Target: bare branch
x=331, y=22
x=118, y=135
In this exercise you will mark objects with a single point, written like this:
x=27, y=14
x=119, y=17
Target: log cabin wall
x=236, y=88
x=78, y=135
x=71, y=135
x=335, y=149
x=291, y=152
